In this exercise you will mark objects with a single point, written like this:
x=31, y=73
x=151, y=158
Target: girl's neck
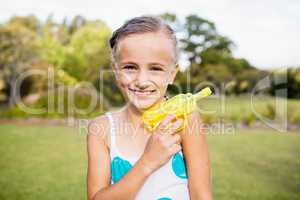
x=134, y=115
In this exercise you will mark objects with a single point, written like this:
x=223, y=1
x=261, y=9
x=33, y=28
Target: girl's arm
x=195, y=151
x=159, y=149
x=98, y=174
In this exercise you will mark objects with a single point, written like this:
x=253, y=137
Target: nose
x=142, y=80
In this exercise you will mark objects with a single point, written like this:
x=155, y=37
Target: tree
x=90, y=50
x=18, y=46
x=209, y=53
x=288, y=79
x=201, y=35
x=30, y=22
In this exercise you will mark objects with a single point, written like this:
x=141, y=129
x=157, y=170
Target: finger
x=177, y=138
x=164, y=123
x=173, y=139
x=174, y=126
x=178, y=123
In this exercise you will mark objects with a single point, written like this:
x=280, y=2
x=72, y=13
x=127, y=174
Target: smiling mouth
x=141, y=92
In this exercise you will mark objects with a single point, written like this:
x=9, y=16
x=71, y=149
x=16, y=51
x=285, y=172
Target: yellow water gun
x=180, y=105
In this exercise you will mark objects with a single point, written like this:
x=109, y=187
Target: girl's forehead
x=152, y=47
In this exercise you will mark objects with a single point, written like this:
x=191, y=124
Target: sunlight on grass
x=44, y=162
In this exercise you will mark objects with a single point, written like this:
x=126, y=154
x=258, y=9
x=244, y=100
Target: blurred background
x=55, y=76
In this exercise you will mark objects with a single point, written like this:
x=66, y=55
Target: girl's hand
x=162, y=144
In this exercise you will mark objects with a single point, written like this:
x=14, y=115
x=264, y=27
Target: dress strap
x=112, y=130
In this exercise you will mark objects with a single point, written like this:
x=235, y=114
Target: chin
x=143, y=104
x=142, y=101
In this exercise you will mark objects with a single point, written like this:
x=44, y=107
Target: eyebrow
x=150, y=64
x=156, y=63
x=126, y=63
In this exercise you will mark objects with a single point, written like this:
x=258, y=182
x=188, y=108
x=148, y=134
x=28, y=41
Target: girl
x=125, y=161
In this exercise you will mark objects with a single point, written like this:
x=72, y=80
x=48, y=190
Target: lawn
x=246, y=108
x=47, y=162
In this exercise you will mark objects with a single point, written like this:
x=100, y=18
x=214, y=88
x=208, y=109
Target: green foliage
x=52, y=51
x=202, y=35
x=249, y=119
x=209, y=118
x=13, y=112
x=89, y=48
x=70, y=101
x=108, y=87
x=30, y=22
x=18, y=48
x=18, y=51
x=270, y=112
x=84, y=55
x=288, y=79
x=77, y=51
x=296, y=119
x=76, y=24
x=210, y=56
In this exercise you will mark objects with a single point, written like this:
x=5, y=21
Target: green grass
x=256, y=164
x=242, y=108
x=44, y=162
x=41, y=162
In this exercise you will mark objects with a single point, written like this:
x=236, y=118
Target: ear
x=173, y=73
x=116, y=75
x=114, y=70
x=113, y=66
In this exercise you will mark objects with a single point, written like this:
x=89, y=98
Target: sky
x=265, y=32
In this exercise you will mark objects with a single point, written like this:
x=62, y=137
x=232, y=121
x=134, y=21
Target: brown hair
x=143, y=24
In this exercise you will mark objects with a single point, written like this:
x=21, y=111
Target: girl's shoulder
x=99, y=129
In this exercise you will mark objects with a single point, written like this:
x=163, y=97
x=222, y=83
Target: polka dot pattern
x=119, y=167
x=178, y=166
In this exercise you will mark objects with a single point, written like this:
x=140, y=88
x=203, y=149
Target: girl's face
x=144, y=67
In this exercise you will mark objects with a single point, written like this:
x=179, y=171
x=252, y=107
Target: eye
x=156, y=68
x=129, y=67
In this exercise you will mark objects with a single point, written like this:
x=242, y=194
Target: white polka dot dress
x=167, y=183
